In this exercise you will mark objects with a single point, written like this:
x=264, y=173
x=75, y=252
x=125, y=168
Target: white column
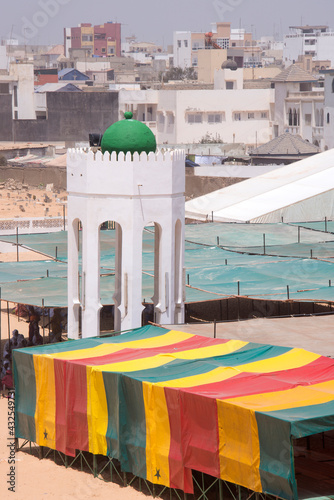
x=179, y=284
x=73, y=298
x=165, y=306
x=91, y=280
x=118, y=278
x=131, y=307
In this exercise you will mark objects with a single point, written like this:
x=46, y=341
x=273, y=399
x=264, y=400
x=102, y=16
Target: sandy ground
x=36, y=479
x=31, y=202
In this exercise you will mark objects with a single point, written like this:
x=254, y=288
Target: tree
x=177, y=73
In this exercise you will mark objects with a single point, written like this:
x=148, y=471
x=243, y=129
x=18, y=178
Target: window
x=4, y=88
x=264, y=115
x=170, y=118
x=103, y=49
x=15, y=96
x=290, y=117
x=251, y=116
x=161, y=119
x=224, y=43
x=308, y=119
x=229, y=85
x=16, y=115
x=87, y=38
x=295, y=118
x=237, y=117
x=195, y=118
x=214, y=118
x=185, y=43
x=328, y=118
x=179, y=43
x=333, y=86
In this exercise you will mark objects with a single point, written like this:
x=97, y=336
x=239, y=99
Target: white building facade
x=182, y=49
x=329, y=109
x=317, y=41
x=186, y=116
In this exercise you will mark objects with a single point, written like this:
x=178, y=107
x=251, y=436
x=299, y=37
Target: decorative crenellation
x=77, y=154
x=111, y=174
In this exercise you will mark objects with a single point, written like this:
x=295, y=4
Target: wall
x=71, y=116
x=222, y=76
x=259, y=73
x=235, y=308
x=241, y=171
x=35, y=175
x=227, y=102
x=182, y=55
x=25, y=90
x=6, y=117
x=208, y=62
x=3, y=57
x=329, y=109
x=180, y=103
x=198, y=186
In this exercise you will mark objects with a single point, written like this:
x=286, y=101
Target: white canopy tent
x=301, y=191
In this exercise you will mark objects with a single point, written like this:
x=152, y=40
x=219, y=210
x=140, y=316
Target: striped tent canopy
x=165, y=402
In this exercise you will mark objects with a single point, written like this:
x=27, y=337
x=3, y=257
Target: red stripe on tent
x=60, y=424
x=76, y=407
x=247, y=384
x=179, y=476
x=129, y=354
x=320, y=370
x=200, y=436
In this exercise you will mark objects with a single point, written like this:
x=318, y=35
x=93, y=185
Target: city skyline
x=42, y=22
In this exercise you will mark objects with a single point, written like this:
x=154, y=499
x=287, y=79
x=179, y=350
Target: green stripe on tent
x=176, y=369
x=145, y=332
x=111, y=381
x=248, y=354
x=87, y=343
x=132, y=426
x=126, y=432
x=180, y=368
x=308, y=420
x=276, y=457
x=25, y=394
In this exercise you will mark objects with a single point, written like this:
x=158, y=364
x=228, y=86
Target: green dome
x=128, y=135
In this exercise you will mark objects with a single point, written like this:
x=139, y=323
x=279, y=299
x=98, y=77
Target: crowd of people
x=18, y=341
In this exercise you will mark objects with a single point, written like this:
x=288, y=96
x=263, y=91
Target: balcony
x=294, y=130
x=318, y=132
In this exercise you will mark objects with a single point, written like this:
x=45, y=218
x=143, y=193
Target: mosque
x=131, y=184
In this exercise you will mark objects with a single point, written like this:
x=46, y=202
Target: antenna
x=10, y=46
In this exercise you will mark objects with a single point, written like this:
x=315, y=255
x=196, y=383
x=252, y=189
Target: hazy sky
x=42, y=21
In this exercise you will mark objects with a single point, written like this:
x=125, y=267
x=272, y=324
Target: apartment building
x=100, y=40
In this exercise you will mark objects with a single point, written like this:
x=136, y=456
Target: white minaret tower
x=134, y=190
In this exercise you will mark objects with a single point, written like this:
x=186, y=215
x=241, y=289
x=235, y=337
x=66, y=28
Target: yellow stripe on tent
x=239, y=448
x=295, y=358
x=157, y=434
x=45, y=412
x=137, y=364
x=171, y=337
x=216, y=375
x=97, y=412
x=162, y=359
x=212, y=350
x=291, y=398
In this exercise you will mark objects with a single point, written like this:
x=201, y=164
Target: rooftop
x=286, y=144
x=294, y=73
